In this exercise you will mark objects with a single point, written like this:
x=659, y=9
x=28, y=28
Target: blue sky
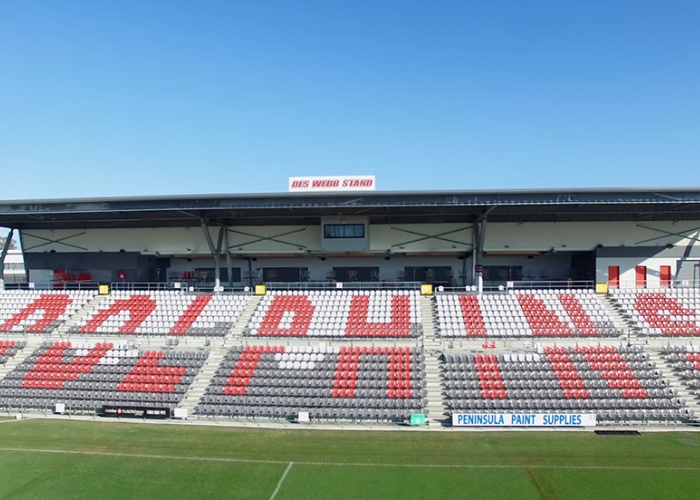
x=154, y=97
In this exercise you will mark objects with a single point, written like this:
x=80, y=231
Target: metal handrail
x=520, y=285
x=656, y=284
x=54, y=285
x=353, y=285
x=182, y=287
x=331, y=285
x=146, y=286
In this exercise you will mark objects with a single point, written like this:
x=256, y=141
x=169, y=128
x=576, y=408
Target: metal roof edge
x=483, y=192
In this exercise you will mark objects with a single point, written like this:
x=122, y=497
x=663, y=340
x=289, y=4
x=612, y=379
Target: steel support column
x=464, y=269
x=229, y=265
x=3, y=254
x=215, y=252
x=217, y=257
x=479, y=240
x=477, y=266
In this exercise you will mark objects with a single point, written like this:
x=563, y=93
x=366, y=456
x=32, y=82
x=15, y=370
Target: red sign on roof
x=332, y=183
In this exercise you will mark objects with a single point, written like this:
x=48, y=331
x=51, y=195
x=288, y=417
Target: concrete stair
x=32, y=343
x=619, y=318
x=236, y=330
x=427, y=309
x=689, y=394
x=201, y=381
x=433, y=349
x=82, y=313
x=433, y=380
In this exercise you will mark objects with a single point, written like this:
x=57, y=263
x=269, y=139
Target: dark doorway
x=285, y=274
x=355, y=274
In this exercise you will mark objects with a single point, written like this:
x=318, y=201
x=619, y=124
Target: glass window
x=332, y=231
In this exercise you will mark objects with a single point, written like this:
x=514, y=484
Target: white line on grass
x=279, y=483
x=346, y=464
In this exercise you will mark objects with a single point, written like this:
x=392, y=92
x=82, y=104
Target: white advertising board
x=524, y=420
x=334, y=183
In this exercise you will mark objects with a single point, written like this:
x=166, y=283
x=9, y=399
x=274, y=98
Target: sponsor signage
x=418, y=419
x=135, y=412
x=332, y=183
x=524, y=419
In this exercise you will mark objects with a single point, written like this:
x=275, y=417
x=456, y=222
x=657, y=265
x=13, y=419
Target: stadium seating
x=162, y=313
x=348, y=383
x=10, y=348
x=674, y=312
x=685, y=360
x=27, y=311
x=358, y=314
x=524, y=313
x=86, y=376
x=615, y=383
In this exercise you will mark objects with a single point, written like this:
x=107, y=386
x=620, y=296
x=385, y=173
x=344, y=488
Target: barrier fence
x=373, y=285
x=183, y=287
x=656, y=284
x=521, y=285
x=68, y=286
x=353, y=285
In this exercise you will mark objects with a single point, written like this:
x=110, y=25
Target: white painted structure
x=543, y=250
x=14, y=267
x=398, y=238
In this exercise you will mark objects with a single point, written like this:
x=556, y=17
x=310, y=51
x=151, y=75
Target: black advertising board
x=135, y=412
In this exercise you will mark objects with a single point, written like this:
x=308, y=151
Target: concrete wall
x=398, y=238
x=411, y=238
x=14, y=271
x=626, y=244
x=582, y=236
x=684, y=263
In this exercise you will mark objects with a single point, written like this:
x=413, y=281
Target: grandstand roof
x=666, y=204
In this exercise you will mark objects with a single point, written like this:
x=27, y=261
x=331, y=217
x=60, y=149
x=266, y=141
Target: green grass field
x=49, y=459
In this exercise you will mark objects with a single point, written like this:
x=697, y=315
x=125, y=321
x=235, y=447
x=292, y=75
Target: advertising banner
x=135, y=412
x=524, y=420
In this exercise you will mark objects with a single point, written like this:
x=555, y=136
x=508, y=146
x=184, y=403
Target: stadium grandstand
x=478, y=309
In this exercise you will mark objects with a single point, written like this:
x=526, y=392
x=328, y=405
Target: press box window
x=331, y=231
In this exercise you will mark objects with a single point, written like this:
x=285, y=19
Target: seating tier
x=527, y=313
x=27, y=311
x=672, y=312
x=357, y=314
x=162, y=313
x=87, y=376
x=615, y=383
x=685, y=360
x=356, y=383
